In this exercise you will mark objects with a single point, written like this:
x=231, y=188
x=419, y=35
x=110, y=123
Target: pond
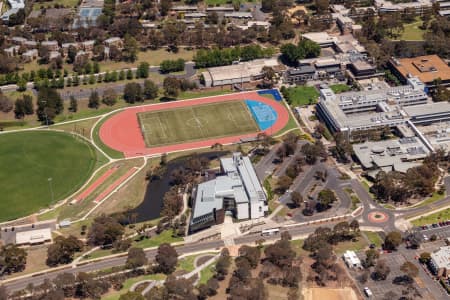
x=152, y=205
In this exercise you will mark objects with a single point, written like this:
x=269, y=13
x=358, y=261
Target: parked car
x=425, y=238
x=368, y=292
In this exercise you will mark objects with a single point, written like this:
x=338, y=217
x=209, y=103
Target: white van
x=368, y=292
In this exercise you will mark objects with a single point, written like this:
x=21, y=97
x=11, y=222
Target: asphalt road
x=188, y=248
x=105, y=264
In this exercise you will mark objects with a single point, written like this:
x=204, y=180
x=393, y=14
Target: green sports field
x=195, y=123
x=27, y=161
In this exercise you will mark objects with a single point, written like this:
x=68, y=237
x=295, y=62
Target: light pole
x=50, y=181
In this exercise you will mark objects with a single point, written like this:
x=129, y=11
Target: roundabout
x=377, y=217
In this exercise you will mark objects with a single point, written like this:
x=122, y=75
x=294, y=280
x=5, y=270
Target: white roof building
x=440, y=261
x=32, y=237
x=351, y=259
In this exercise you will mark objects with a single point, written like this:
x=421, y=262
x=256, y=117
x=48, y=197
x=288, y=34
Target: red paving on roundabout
x=122, y=132
x=377, y=217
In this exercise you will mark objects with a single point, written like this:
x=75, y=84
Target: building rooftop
x=427, y=109
x=426, y=68
x=441, y=258
x=321, y=38
x=393, y=154
x=244, y=69
x=36, y=236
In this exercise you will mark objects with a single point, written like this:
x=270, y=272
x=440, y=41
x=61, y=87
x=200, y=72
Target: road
x=22, y=283
x=84, y=92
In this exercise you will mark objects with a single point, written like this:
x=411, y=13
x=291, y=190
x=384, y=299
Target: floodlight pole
x=45, y=112
x=50, y=180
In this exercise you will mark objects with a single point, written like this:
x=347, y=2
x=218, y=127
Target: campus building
x=440, y=262
x=426, y=68
x=15, y=6
x=358, y=114
x=236, y=191
x=237, y=73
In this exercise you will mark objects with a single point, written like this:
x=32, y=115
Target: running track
x=95, y=185
x=115, y=184
x=122, y=132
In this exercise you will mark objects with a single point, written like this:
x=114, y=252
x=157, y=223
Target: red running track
x=95, y=185
x=115, y=184
x=123, y=133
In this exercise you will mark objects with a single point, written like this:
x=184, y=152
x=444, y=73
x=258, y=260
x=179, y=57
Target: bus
x=271, y=231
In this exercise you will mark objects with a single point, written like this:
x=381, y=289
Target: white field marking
x=199, y=123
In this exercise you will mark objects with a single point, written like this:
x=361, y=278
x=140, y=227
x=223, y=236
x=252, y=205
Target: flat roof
x=441, y=257
x=241, y=70
x=33, y=236
x=427, y=68
x=427, y=109
x=319, y=37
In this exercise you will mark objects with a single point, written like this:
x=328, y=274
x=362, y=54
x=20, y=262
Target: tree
x=381, y=271
x=66, y=283
x=28, y=104
x=19, y=109
x=142, y=70
x=322, y=6
x=371, y=257
x=393, y=240
x=49, y=103
x=109, y=97
x=131, y=296
x=296, y=198
x=6, y=105
x=326, y=198
x=410, y=269
x=136, y=258
x=283, y=184
x=62, y=250
x=171, y=87
x=104, y=231
x=12, y=259
x=150, y=90
x=424, y=257
x=290, y=54
x=132, y=92
x=166, y=258
x=94, y=100
x=73, y=106
x=251, y=254
x=130, y=48
x=165, y=6
x=89, y=287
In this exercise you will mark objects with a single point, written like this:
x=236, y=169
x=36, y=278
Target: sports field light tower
x=50, y=184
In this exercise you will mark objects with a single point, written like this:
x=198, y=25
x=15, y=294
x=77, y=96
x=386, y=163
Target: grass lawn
x=28, y=159
x=207, y=273
x=196, y=123
x=297, y=246
x=96, y=139
x=412, y=31
x=442, y=215
x=359, y=245
x=339, y=88
x=302, y=95
x=164, y=237
x=51, y=4
x=435, y=197
x=115, y=295
x=374, y=238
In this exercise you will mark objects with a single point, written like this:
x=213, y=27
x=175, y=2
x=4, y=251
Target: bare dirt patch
x=327, y=293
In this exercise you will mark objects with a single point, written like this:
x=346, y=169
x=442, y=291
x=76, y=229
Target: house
x=236, y=190
x=11, y=51
x=114, y=41
x=54, y=55
x=50, y=45
x=65, y=47
x=238, y=15
x=18, y=40
x=31, y=44
x=30, y=55
x=88, y=46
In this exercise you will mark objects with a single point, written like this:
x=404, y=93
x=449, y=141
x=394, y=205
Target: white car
x=425, y=238
x=368, y=292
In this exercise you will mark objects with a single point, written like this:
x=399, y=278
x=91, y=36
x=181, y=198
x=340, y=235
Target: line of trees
x=304, y=49
x=221, y=57
x=169, y=65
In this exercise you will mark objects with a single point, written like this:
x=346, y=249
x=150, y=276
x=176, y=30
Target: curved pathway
x=123, y=133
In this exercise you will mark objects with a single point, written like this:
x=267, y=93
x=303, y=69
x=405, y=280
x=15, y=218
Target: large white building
x=237, y=191
x=440, y=261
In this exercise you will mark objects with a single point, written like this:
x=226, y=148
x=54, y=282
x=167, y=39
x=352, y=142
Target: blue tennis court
x=264, y=115
x=274, y=92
